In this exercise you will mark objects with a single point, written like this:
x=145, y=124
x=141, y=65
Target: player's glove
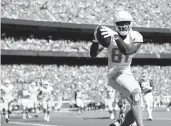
x=107, y=32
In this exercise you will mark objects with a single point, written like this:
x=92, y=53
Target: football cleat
x=48, y=118
x=150, y=118
x=7, y=120
x=112, y=116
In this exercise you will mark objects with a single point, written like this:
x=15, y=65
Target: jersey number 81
x=117, y=56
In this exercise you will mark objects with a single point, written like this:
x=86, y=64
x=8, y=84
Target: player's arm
x=151, y=85
x=131, y=48
x=95, y=49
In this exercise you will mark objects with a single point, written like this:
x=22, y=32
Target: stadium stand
x=88, y=75
x=146, y=14
x=71, y=46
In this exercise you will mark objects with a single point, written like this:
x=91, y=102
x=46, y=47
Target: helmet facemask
x=123, y=27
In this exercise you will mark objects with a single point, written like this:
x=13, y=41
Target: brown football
x=103, y=41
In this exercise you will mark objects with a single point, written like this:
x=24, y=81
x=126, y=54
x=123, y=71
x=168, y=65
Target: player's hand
x=107, y=32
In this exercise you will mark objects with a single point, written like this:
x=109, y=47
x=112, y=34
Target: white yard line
x=32, y=124
x=163, y=119
x=77, y=116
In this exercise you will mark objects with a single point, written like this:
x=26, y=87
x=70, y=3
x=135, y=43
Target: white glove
x=107, y=32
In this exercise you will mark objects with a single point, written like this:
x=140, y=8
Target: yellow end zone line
x=32, y=124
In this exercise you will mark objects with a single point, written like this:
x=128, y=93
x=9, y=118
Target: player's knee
x=135, y=96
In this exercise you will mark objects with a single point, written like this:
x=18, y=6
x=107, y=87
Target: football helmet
x=123, y=22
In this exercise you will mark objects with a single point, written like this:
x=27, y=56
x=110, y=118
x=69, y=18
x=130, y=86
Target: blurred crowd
x=148, y=13
x=91, y=79
x=71, y=46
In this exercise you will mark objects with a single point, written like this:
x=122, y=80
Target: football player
x=34, y=92
x=147, y=88
x=8, y=93
x=110, y=96
x=122, y=44
x=79, y=100
x=24, y=97
x=47, y=97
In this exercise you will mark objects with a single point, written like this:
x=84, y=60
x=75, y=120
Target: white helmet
x=123, y=22
x=46, y=83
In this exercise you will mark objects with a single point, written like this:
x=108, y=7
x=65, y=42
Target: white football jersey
x=47, y=92
x=34, y=91
x=118, y=62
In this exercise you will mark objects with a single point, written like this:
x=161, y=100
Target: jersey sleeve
x=137, y=37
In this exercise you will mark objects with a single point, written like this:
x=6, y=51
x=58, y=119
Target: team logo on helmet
x=123, y=22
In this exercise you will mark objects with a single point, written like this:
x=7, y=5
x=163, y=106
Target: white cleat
x=112, y=116
x=48, y=119
x=168, y=110
x=45, y=118
x=150, y=118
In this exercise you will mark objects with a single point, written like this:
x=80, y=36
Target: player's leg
x=111, y=108
x=6, y=106
x=129, y=87
x=49, y=108
x=149, y=104
x=78, y=102
x=24, y=108
x=29, y=110
x=36, y=108
x=82, y=105
x=45, y=109
x=142, y=102
x=117, y=109
x=9, y=108
x=27, y=107
x=122, y=106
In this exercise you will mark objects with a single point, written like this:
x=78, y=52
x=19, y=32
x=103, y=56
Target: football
x=103, y=41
